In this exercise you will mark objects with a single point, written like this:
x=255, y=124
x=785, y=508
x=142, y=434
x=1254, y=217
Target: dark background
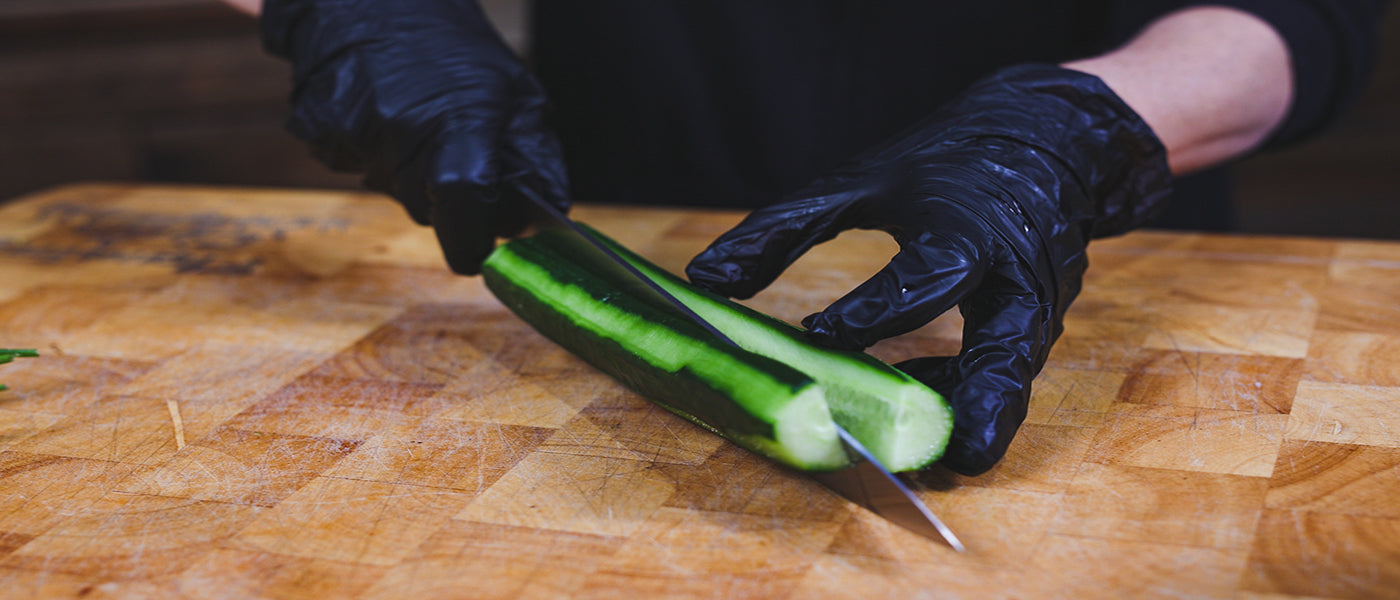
x=180, y=91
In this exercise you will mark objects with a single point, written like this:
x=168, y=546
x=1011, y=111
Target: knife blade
x=866, y=482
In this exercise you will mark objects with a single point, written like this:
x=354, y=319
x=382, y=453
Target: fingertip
x=982, y=432
x=460, y=222
x=464, y=254
x=989, y=404
x=406, y=186
x=718, y=276
x=968, y=462
x=830, y=330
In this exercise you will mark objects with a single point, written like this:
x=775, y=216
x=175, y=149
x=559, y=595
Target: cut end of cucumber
x=906, y=431
x=804, y=435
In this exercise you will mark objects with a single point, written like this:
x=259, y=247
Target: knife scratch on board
x=175, y=421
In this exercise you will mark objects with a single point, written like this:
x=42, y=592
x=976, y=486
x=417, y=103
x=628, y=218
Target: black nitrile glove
x=993, y=200
x=426, y=100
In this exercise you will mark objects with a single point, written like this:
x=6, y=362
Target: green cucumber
x=776, y=395
x=756, y=402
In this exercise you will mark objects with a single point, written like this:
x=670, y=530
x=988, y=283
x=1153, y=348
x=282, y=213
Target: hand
x=993, y=200
x=425, y=99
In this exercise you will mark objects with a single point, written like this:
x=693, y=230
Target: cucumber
x=776, y=395
x=756, y=402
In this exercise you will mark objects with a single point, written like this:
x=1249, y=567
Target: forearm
x=252, y=7
x=1211, y=82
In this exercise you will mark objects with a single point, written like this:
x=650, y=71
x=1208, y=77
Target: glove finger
x=457, y=155
x=463, y=197
x=338, y=155
x=533, y=160
x=1004, y=333
x=937, y=372
x=463, y=218
x=532, y=169
x=408, y=184
x=930, y=274
x=324, y=114
x=750, y=256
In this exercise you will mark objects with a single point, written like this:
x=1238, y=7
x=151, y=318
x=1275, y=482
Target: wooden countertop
x=265, y=393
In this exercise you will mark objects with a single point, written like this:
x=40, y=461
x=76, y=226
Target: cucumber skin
x=899, y=419
x=704, y=398
x=917, y=422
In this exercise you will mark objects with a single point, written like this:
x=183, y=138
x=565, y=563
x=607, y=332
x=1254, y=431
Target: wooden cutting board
x=265, y=393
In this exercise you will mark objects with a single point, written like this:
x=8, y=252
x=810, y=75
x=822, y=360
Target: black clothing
x=736, y=103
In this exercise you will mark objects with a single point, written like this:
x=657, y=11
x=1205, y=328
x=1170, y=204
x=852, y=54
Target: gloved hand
x=425, y=99
x=993, y=200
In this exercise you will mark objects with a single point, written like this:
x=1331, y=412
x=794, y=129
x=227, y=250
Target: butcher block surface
x=286, y=394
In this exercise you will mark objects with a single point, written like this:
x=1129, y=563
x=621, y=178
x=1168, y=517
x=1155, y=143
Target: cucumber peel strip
x=901, y=421
x=784, y=415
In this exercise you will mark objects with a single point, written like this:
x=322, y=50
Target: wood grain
x=277, y=394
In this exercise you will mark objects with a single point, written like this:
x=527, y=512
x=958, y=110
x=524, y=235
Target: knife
x=865, y=481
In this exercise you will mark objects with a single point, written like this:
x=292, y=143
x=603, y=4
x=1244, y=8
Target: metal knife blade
x=869, y=484
x=865, y=482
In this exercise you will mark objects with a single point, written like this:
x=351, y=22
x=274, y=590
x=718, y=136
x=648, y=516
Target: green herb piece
x=9, y=354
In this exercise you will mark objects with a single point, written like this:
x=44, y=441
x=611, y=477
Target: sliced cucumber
x=776, y=395
x=756, y=402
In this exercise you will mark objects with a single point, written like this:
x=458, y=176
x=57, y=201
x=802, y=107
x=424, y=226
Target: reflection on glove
x=993, y=200
x=425, y=99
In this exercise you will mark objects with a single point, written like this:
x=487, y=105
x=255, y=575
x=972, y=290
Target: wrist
x=1103, y=146
x=247, y=7
x=1213, y=82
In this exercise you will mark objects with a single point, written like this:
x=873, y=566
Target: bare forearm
x=1212, y=82
x=252, y=7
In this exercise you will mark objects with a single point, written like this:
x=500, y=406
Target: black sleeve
x=1332, y=44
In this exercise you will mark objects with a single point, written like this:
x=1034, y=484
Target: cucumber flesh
x=901, y=421
x=756, y=402
x=776, y=395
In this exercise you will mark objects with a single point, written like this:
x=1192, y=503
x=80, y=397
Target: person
x=992, y=140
